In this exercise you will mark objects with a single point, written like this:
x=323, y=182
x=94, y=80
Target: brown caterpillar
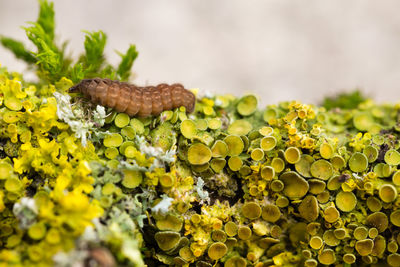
x=134, y=100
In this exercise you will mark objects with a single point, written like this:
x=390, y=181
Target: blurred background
x=277, y=49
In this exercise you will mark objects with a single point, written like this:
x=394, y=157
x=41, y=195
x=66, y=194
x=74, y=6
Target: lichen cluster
x=228, y=185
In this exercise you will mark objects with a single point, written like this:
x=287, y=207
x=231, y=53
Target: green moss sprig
x=50, y=60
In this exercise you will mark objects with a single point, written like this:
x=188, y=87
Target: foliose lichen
x=228, y=185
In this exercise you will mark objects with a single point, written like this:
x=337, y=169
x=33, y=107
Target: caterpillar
x=134, y=100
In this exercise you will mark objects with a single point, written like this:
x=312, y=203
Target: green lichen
x=228, y=185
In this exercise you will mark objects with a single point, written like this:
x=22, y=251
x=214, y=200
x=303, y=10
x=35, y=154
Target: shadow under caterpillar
x=134, y=100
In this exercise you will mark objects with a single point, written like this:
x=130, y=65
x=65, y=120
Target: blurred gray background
x=277, y=49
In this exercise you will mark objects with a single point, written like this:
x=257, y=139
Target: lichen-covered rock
x=230, y=184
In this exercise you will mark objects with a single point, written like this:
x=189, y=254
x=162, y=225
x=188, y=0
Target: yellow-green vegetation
x=228, y=185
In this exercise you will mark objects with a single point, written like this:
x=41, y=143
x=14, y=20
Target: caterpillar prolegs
x=134, y=100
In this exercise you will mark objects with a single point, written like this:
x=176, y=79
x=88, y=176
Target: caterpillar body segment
x=134, y=100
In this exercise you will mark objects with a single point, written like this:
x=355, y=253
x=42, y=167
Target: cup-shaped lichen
x=235, y=145
x=199, y=154
x=292, y=155
x=294, y=185
x=364, y=247
x=346, y=201
x=271, y=213
x=231, y=228
x=379, y=220
x=331, y=214
x=395, y=218
x=217, y=250
x=321, y=169
x=247, y=105
x=303, y=166
x=268, y=143
x=244, y=232
x=327, y=257
x=309, y=208
x=167, y=240
x=251, y=210
x=388, y=193
x=240, y=127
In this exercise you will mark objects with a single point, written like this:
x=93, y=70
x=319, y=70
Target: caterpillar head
x=81, y=86
x=85, y=84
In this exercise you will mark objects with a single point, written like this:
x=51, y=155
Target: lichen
x=230, y=184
